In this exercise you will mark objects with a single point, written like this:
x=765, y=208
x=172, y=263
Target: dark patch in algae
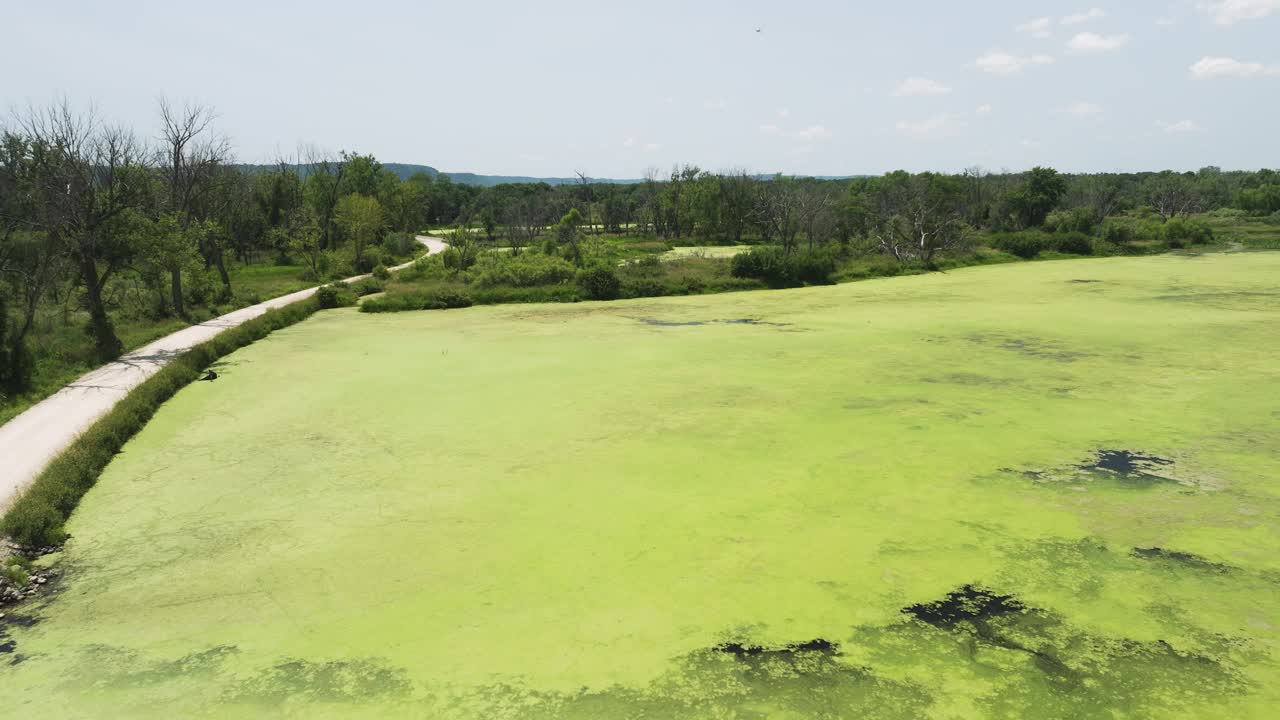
x=1072, y=672
x=741, y=651
x=1126, y=462
x=1185, y=559
x=338, y=681
x=658, y=322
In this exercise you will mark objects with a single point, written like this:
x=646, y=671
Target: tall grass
x=40, y=515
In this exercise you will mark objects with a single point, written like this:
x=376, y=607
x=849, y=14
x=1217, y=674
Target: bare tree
x=324, y=185
x=914, y=217
x=84, y=178
x=1171, y=194
x=778, y=210
x=190, y=160
x=814, y=204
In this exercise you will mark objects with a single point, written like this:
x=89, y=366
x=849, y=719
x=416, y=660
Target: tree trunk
x=106, y=345
x=175, y=288
x=222, y=273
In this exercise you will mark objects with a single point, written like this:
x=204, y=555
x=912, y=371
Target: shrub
x=1026, y=244
x=381, y=272
x=1117, y=233
x=1187, y=232
x=335, y=295
x=779, y=269
x=599, y=282
x=1074, y=243
x=440, y=299
x=367, y=286
x=399, y=244
x=1075, y=220
x=523, y=270
x=1273, y=218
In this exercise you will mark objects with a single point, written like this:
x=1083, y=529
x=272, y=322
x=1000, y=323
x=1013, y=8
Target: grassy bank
x=37, y=518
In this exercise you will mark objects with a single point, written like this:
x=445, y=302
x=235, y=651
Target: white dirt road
x=31, y=440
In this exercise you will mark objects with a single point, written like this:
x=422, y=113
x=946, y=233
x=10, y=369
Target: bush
x=1273, y=218
x=381, y=272
x=1117, y=233
x=779, y=269
x=367, y=286
x=523, y=270
x=399, y=244
x=335, y=295
x=599, y=282
x=441, y=299
x=1026, y=244
x=1074, y=243
x=1187, y=232
x=1075, y=220
x=37, y=518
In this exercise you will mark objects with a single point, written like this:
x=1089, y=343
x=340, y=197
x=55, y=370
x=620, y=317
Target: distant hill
x=407, y=170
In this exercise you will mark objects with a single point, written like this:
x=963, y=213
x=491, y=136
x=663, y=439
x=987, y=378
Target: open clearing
x=681, y=252
x=1042, y=490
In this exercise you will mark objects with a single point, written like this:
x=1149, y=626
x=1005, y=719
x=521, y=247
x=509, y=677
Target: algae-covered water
x=1031, y=491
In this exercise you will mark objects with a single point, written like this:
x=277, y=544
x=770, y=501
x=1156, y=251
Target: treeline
x=690, y=203
x=94, y=217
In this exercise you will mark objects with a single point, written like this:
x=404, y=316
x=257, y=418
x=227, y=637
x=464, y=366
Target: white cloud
x=1029, y=143
x=920, y=87
x=807, y=135
x=1083, y=109
x=983, y=109
x=932, y=128
x=651, y=147
x=1180, y=127
x=629, y=142
x=1230, y=12
x=1083, y=17
x=1038, y=28
x=1165, y=21
x=1000, y=62
x=715, y=104
x=814, y=132
x=784, y=113
x=1208, y=67
x=1093, y=42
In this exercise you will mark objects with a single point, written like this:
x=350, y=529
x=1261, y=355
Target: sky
x=610, y=88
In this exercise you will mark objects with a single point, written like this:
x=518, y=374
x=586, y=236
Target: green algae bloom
x=1043, y=490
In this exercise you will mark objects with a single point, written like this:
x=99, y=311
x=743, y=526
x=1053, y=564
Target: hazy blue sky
x=610, y=88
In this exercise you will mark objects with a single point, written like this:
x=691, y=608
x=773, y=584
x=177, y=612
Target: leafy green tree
x=569, y=236
x=1038, y=195
x=360, y=218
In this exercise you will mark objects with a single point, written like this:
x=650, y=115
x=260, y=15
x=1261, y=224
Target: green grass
x=63, y=351
x=560, y=511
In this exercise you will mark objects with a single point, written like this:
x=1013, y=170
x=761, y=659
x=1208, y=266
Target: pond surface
x=995, y=492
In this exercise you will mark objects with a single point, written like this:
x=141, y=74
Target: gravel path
x=31, y=440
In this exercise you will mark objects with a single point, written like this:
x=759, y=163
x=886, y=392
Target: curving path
x=31, y=440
